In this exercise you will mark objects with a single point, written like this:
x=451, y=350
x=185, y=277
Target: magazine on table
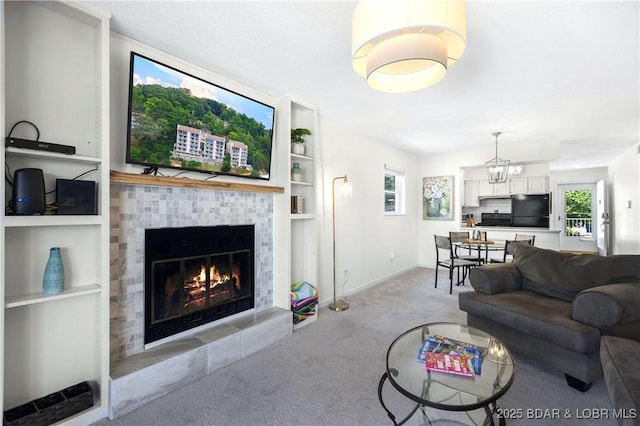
x=452, y=362
x=437, y=344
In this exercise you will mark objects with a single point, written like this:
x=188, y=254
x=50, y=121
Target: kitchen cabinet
x=537, y=185
x=471, y=193
x=501, y=188
x=518, y=185
x=514, y=185
x=487, y=189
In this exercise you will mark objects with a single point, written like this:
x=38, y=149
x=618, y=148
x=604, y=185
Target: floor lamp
x=337, y=305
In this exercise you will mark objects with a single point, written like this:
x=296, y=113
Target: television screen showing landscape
x=179, y=121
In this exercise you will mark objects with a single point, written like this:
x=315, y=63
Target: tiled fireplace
x=139, y=375
x=135, y=208
x=196, y=275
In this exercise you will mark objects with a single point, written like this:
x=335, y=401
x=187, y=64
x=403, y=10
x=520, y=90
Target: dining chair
x=509, y=246
x=530, y=237
x=462, y=237
x=446, y=259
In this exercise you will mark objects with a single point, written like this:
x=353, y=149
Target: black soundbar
x=39, y=145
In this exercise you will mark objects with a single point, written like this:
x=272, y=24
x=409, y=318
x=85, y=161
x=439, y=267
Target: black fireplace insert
x=196, y=275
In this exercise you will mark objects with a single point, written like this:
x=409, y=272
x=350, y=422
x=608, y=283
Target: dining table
x=481, y=246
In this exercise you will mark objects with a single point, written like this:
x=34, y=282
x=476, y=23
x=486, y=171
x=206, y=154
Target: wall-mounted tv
x=180, y=121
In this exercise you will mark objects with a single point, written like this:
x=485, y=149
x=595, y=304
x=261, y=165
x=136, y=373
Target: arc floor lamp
x=338, y=305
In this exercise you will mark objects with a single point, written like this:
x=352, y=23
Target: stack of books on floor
x=304, y=299
x=451, y=356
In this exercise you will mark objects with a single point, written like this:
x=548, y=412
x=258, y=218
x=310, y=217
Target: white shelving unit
x=303, y=247
x=54, y=73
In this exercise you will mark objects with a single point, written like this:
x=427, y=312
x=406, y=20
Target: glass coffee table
x=443, y=390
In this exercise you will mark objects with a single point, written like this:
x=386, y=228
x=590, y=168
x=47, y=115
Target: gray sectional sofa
x=556, y=307
x=622, y=376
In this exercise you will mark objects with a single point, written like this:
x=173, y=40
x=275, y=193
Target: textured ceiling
x=542, y=72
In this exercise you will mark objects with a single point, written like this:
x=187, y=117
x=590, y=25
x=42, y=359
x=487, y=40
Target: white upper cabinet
x=538, y=184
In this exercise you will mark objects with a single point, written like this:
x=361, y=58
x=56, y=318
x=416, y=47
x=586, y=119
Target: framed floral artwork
x=437, y=198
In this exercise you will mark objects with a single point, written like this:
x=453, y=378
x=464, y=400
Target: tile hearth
x=139, y=379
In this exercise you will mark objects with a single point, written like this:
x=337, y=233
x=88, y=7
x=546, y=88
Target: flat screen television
x=179, y=121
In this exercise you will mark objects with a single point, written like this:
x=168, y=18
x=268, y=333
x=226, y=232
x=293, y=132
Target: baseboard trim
x=369, y=284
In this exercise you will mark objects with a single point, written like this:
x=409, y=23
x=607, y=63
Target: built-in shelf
x=301, y=216
x=142, y=179
x=298, y=157
x=34, y=153
x=51, y=220
x=32, y=299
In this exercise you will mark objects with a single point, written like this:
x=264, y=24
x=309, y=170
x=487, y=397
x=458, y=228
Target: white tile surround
x=134, y=372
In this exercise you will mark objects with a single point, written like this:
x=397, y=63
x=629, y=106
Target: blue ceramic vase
x=53, y=281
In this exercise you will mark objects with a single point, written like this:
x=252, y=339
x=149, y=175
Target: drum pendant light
x=406, y=45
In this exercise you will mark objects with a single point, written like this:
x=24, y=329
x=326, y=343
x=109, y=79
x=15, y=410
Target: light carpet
x=327, y=373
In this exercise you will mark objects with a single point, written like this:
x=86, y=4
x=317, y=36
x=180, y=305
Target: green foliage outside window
x=578, y=203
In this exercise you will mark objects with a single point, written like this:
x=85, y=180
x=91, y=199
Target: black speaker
x=76, y=196
x=28, y=192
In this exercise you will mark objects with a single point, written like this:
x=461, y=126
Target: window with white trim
x=393, y=191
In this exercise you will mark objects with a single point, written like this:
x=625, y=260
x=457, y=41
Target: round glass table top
x=444, y=390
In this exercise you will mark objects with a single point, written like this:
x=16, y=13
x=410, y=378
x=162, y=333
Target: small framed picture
x=437, y=198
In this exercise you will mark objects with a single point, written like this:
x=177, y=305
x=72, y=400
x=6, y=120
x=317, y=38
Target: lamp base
x=338, y=306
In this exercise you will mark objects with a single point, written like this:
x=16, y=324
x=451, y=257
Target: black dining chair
x=531, y=237
x=445, y=258
x=509, y=246
x=461, y=237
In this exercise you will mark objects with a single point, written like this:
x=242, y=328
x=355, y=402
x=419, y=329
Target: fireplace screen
x=195, y=276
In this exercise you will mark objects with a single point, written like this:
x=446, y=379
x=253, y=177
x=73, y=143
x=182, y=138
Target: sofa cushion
x=621, y=372
x=564, y=275
x=532, y=313
x=607, y=305
x=495, y=278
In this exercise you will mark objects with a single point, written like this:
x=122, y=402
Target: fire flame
x=216, y=277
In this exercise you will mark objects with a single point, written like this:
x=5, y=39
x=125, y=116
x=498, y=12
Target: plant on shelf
x=297, y=140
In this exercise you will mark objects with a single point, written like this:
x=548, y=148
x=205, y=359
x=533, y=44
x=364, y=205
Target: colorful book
x=452, y=363
x=445, y=345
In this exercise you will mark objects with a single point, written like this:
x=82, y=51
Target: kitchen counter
x=518, y=229
x=545, y=238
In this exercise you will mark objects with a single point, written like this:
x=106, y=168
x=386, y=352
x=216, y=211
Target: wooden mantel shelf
x=140, y=179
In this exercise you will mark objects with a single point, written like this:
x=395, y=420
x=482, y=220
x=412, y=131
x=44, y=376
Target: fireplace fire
x=196, y=275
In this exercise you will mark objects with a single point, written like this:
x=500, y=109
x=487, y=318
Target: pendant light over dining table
x=497, y=169
x=406, y=45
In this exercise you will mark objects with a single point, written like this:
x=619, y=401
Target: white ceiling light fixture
x=497, y=169
x=406, y=45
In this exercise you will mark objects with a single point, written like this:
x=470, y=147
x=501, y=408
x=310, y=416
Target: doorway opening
x=577, y=218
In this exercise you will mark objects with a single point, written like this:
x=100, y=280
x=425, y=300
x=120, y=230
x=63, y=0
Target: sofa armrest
x=607, y=305
x=495, y=278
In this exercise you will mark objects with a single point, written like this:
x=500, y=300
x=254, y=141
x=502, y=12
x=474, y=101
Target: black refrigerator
x=530, y=210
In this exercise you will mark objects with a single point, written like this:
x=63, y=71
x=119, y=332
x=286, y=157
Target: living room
x=371, y=247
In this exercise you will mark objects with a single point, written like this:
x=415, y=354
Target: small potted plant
x=297, y=140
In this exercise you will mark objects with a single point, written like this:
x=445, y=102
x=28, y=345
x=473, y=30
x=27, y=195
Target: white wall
x=440, y=165
x=121, y=48
x=624, y=177
x=369, y=245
